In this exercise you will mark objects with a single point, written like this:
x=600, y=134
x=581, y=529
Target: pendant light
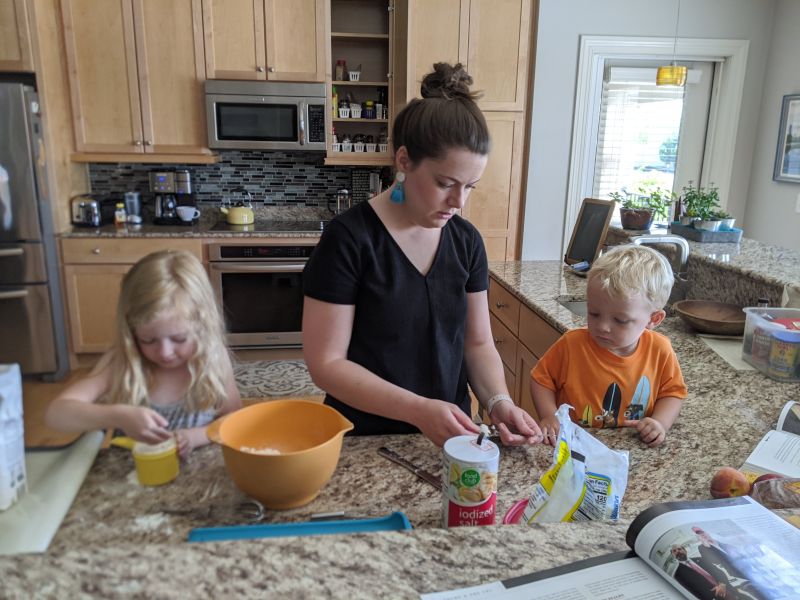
x=672, y=74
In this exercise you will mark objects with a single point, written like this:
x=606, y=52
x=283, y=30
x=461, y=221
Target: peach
x=729, y=482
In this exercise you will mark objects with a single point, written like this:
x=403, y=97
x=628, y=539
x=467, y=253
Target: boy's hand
x=651, y=431
x=550, y=427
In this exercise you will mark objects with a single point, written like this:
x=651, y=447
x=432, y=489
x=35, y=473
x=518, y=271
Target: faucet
x=681, y=243
x=679, y=290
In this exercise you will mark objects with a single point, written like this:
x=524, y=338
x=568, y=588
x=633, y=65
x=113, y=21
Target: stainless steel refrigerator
x=32, y=331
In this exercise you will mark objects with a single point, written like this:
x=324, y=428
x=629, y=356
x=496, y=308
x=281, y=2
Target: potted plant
x=702, y=205
x=726, y=221
x=638, y=210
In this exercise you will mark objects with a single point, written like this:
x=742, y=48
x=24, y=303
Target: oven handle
x=262, y=268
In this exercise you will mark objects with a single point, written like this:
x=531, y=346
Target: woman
x=396, y=320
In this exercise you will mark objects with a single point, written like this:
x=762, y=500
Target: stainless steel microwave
x=265, y=115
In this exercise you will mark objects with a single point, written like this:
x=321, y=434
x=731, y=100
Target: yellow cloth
x=605, y=389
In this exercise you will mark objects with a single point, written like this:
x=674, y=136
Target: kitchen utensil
x=156, y=464
x=426, y=476
x=712, y=317
x=188, y=213
x=241, y=213
x=340, y=202
x=396, y=521
x=306, y=438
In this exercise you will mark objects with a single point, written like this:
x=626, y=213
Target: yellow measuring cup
x=156, y=464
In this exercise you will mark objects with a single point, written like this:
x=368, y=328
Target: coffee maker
x=162, y=184
x=183, y=191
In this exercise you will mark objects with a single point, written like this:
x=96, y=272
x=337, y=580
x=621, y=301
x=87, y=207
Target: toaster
x=91, y=211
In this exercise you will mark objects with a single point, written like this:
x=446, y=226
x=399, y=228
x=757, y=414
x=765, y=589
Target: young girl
x=168, y=372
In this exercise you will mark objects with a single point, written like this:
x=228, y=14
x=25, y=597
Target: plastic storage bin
x=771, y=342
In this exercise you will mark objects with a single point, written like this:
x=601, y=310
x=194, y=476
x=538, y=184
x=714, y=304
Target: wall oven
x=260, y=289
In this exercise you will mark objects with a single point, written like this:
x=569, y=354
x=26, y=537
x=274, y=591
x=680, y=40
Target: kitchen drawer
x=128, y=251
x=505, y=342
x=504, y=305
x=536, y=334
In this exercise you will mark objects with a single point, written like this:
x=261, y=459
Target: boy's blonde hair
x=625, y=271
x=168, y=281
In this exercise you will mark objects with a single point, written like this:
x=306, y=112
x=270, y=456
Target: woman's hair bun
x=449, y=82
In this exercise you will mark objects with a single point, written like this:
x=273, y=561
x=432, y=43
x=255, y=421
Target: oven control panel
x=263, y=252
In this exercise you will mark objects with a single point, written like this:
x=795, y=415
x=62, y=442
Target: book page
x=735, y=543
x=619, y=576
x=777, y=452
x=789, y=420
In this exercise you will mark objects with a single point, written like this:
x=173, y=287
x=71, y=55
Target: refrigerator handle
x=8, y=252
x=13, y=294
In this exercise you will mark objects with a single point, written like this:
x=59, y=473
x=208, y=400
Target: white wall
x=771, y=216
x=560, y=25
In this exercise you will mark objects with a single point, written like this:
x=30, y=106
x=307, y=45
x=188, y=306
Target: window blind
x=638, y=132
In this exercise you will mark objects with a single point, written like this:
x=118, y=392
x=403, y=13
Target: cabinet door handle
x=137, y=142
x=498, y=341
x=148, y=142
x=95, y=250
x=499, y=304
x=260, y=69
x=271, y=69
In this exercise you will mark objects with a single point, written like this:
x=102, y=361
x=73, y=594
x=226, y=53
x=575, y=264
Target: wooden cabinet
x=363, y=36
x=15, y=45
x=521, y=338
x=93, y=271
x=136, y=78
x=491, y=39
x=281, y=40
x=494, y=206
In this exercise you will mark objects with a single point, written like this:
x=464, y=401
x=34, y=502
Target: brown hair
x=445, y=117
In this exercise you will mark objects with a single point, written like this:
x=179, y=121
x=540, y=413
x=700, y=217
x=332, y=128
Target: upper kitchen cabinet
x=15, y=47
x=136, y=77
x=276, y=40
x=361, y=71
x=491, y=38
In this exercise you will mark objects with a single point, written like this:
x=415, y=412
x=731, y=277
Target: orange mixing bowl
x=306, y=438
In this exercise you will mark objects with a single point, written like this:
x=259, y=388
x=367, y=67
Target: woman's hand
x=439, y=421
x=515, y=425
x=142, y=424
x=550, y=428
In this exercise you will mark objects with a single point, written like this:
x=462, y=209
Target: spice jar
x=341, y=68
x=368, y=111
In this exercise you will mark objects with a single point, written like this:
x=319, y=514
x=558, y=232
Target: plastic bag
x=777, y=493
x=585, y=483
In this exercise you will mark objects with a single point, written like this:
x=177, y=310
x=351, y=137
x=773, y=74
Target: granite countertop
x=119, y=538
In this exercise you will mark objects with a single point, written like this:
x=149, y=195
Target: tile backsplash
x=273, y=178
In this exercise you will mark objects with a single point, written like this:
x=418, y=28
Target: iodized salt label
x=469, y=494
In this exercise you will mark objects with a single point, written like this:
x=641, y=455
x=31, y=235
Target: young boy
x=616, y=371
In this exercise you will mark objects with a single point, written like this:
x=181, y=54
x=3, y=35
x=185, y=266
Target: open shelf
x=355, y=37
x=361, y=83
x=340, y=120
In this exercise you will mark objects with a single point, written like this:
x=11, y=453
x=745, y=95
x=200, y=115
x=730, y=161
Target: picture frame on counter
x=787, y=156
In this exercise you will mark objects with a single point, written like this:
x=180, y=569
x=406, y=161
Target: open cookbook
x=732, y=548
x=779, y=450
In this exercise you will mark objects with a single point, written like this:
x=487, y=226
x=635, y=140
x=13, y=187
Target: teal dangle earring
x=398, y=194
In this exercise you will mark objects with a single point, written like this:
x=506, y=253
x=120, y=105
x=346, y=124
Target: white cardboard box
x=12, y=440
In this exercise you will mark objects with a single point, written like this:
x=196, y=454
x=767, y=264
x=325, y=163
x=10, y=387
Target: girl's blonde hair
x=625, y=271
x=174, y=282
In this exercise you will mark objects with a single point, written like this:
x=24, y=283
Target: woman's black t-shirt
x=408, y=328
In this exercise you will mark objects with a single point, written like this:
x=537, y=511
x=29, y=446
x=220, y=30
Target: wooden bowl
x=712, y=317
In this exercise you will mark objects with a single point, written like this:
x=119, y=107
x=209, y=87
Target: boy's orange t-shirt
x=605, y=389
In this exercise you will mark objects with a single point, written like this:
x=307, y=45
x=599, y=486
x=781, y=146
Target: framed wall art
x=787, y=156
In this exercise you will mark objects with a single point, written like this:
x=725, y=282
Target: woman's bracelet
x=495, y=400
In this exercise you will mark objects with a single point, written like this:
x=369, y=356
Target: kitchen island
x=121, y=539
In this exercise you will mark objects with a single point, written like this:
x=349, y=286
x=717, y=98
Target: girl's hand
x=439, y=421
x=184, y=442
x=651, y=431
x=515, y=425
x=550, y=428
x=142, y=424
